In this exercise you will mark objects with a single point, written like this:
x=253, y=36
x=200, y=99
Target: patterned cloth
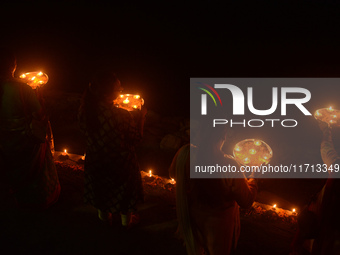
x=112, y=176
x=27, y=167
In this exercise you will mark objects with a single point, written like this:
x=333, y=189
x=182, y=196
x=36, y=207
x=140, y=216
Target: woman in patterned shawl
x=27, y=169
x=112, y=177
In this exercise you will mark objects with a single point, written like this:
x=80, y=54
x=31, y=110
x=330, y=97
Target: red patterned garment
x=112, y=176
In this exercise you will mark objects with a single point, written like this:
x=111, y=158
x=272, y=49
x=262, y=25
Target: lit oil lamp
x=274, y=207
x=35, y=79
x=328, y=115
x=172, y=181
x=150, y=173
x=64, y=155
x=252, y=152
x=129, y=102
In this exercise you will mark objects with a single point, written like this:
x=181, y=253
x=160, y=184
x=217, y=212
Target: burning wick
x=137, y=96
x=40, y=73
x=150, y=174
x=121, y=96
x=333, y=116
x=274, y=206
x=172, y=181
x=126, y=101
x=64, y=153
x=23, y=76
x=83, y=157
x=246, y=160
x=252, y=151
x=238, y=148
x=294, y=211
x=257, y=143
x=330, y=109
x=332, y=121
x=317, y=113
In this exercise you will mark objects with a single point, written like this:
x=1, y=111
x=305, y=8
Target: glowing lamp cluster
x=328, y=115
x=35, y=79
x=252, y=152
x=129, y=102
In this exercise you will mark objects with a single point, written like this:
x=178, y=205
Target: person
x=208, y=209
x=113, y=181
x=319, y=224
x=27, y=167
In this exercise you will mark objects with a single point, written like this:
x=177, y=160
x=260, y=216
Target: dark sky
x=155, y=49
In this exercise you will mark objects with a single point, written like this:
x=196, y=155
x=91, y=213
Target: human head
x=8, y=62
x=106, y=84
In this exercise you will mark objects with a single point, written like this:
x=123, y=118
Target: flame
x=293, y=210
x=238, y=148
x=23, y=76
x=317, y=113
x=330, y=109
x=121, y=96
x=65, y=151
x=40, y=73
x=274, y=206
x=33, y=78
x=257, y=143
x=332, y=121
x=246, y=160
x=333, y=116
x=150, y=173
x=135, y=106
x=137, y=96
x=252, y=151
x=126, y=101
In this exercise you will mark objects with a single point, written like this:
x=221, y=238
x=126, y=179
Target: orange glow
x=274, y=206
x=294, y=210
x=150, y=173
x=257, y=143
x=35, y=79
x=246, y=160
x=317, y=113
x=252, y=151
x=129, y=102
x=173, y=181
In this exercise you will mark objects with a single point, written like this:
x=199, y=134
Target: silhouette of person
x=27, y=165
x=112, y=177
x=208, y=209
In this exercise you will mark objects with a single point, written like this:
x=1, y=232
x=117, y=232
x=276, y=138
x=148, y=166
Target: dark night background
x=156, y=48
